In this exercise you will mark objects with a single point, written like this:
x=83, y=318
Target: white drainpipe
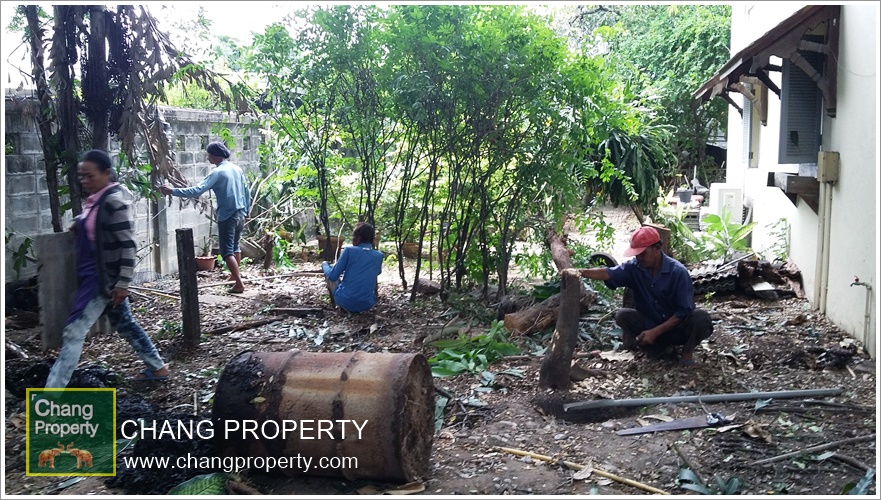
x=822, y=280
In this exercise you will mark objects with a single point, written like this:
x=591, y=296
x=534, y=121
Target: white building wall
x=749, y=22
x=853, y=133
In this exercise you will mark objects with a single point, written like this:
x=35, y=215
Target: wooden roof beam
x=821, y=81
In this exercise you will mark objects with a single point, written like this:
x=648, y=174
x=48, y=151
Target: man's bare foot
x=686, y=360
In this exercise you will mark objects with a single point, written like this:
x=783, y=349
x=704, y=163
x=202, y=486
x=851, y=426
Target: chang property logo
x=71, y=432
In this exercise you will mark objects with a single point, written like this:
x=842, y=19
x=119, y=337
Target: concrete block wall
x=26, y=207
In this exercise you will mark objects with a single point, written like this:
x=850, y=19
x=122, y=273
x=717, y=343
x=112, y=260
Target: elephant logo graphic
x=83, y=457
x=48, y=456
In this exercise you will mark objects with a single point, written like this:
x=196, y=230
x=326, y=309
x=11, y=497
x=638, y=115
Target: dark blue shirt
x=358, y=266
x=668, y=293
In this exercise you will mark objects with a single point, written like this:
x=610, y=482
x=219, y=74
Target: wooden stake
x=264, y=278
x=189, y=290
x=243, y=326
x=598, y=472
x=851, y=461
x=688, y=463
x=577, y=355
x=154, y=292
x=300, y=312
x=813, y=449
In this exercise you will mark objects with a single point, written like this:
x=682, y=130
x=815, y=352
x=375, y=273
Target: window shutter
x=747, y=148
x=801, y=113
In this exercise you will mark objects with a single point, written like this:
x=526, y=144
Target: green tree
x=125, y=61
x=666, y=52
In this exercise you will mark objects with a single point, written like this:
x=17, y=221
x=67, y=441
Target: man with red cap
x=663, y=293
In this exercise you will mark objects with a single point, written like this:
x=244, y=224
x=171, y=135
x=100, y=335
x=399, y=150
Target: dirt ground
x=757, y=345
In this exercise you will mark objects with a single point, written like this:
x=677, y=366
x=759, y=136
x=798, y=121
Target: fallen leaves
x=756, y=430
x=617, y=355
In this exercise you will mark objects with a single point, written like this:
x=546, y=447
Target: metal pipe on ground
x=710, y=398
x=392, y=393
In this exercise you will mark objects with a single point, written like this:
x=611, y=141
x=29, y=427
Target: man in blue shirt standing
x=663, y=292
x=359, y=266
x=233, y=205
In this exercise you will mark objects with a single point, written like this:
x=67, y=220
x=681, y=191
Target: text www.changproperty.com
x=237, y=464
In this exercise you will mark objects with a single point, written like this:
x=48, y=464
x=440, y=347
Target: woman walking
x=105, y=260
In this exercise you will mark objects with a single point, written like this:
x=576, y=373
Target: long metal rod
x=710, y=398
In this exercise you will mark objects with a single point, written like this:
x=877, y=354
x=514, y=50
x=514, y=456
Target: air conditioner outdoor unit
x=727, y=198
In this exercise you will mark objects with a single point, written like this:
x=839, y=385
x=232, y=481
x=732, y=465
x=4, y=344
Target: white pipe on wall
x=820, y=264
x=827, y=242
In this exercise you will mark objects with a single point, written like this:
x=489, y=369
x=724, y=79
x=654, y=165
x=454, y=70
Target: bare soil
x=758, y=345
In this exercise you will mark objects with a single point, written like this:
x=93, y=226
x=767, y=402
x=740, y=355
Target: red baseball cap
x=641, y=239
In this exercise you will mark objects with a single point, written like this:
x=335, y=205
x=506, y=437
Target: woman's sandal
x=148, y=376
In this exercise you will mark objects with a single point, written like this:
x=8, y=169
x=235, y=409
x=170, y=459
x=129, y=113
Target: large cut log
x=534, y=319
x=554, y=373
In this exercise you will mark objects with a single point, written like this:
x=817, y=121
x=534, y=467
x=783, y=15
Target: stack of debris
x=756, y=277
x=769, y=280
x=714, y=277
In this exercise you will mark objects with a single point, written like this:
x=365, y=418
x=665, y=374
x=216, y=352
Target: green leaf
x=205, y=484
x=761, y=403
x=439, y=405
x=696, y=487
x=514, y=372
x=686, y=474
x=439, y=371
x=862, y=487
x=451, y=344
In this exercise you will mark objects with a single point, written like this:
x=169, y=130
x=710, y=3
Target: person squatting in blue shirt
x=352, y=280
x=663, y=293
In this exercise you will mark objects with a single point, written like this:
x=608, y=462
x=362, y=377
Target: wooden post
x=664, y=233
x=554, y=371
x=268, y=244
x=189, y=291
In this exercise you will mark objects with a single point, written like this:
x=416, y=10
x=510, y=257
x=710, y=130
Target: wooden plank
x=300, y=312
x=189, y=290
x=795, y=184
x=813, y=201
x=833, y=26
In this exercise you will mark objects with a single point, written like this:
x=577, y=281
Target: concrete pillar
x=166, y=257
x=56, y=283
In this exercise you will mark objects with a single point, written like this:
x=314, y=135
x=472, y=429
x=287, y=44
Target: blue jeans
x=74, y=336
x=230, y=235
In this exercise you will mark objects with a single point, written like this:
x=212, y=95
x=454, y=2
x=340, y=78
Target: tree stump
x=554, y=373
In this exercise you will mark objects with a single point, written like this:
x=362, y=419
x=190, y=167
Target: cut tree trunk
x=554, y=373
x=544, y=314
x=534, y=319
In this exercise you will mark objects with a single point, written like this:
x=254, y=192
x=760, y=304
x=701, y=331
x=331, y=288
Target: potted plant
x=684, y=192
x=336, y=243
x=205, y=261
